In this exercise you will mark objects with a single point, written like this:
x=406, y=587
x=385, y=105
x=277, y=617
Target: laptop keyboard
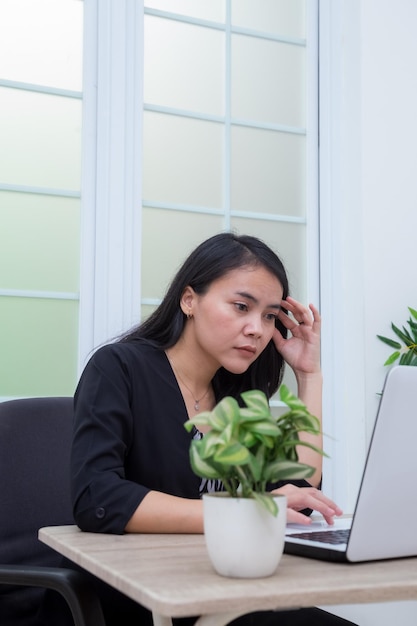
x=325, y=536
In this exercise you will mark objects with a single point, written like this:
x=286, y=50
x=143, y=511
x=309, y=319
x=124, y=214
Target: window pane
x=39, y=242
x=41, y=42
x=268, y=81
x=173, y=76
x=169, y=238
x=183, y=160
x=282, y=17
x=40, y=147
x=214, y=10
x=268, y=172
x=39, y=337
x=288, y=241
x=41, y=139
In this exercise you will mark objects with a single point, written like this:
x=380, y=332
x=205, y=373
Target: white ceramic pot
x=243, y=539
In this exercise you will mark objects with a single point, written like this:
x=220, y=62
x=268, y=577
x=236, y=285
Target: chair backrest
x=35, y=442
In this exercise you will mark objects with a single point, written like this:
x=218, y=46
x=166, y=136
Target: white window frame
x=341, y=265
x=112, y=157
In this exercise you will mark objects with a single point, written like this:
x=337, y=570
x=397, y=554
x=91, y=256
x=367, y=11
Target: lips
x=248, y=350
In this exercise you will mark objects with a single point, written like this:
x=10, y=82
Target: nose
x=253, y=327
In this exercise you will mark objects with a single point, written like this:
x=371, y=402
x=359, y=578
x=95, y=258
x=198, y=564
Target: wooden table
x=172, y=576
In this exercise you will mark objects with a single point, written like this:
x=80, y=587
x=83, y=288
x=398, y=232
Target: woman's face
x=234, y=320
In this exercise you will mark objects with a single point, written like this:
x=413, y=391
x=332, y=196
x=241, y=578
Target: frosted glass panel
x=39, y=242
x=41, y=139
x=268, y=81
x=41, y=42
x=146, y=310
x=183, y=160
x=213, y=10
x=169, y=237
x=39, y=339
x=268, y=172
x=184, y=66
x=288, y=241
x=282, y=17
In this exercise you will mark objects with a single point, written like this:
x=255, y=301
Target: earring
x=189, y=316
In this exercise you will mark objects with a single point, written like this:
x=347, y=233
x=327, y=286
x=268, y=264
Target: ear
x=187, y=301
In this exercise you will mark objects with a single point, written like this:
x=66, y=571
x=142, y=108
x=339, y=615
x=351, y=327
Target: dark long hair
x=211, y=260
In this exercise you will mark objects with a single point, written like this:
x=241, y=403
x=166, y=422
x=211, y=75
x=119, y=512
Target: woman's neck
x=193, y=378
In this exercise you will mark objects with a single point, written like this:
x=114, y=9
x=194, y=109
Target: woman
x=221, y=329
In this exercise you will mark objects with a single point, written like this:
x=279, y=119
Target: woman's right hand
x=299, y=498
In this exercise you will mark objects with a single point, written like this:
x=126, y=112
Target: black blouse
x=129, y=436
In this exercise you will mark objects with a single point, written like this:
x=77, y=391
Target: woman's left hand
x=302, y=349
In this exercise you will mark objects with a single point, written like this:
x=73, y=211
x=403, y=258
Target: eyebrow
x=249, y=296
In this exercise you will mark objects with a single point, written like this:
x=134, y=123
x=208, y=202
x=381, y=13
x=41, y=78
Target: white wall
x=368, y=198
x=389, y=168
x=369, y=203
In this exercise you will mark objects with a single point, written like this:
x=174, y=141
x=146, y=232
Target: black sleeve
x=103, y=499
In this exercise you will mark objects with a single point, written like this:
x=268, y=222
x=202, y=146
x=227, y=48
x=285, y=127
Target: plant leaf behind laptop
x=406, y=350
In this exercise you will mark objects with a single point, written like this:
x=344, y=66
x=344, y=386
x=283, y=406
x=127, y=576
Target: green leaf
x=217, y=420
x=255, y=466
x=206, y=418
x=265, y=428
x=287, y=470
x=250, y=415
x=394, y=356
x=226, y=435
x=233, y=454
x=227, y=411
x=407, y=334
x=201, y=467
x=264, y=441
x=256, y=400
x=188, y=425
x=307, y=444
x=413, y=326
x=406, y=338
x=290, y=399
x=267, y=501
x=299, y=420
x=413, y=312
x=208, y=445
x=406, y=357
x=390, y=342
x=249, y=439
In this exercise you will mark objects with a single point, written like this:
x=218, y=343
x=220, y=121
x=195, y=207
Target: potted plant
x=406, y=351
x=247, y=448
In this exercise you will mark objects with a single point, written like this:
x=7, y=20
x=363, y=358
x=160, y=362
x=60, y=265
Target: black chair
x=35, y=439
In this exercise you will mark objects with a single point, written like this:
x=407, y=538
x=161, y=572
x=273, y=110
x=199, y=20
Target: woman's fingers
x=299, y=498
x=300, y=314
x=294, y=517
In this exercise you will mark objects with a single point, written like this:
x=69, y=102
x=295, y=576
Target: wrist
x=309, y=377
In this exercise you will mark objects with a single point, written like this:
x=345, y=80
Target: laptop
x=383, y=525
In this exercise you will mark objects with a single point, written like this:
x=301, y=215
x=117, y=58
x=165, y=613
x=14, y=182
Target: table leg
x=161, y=620
x=219, y=619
